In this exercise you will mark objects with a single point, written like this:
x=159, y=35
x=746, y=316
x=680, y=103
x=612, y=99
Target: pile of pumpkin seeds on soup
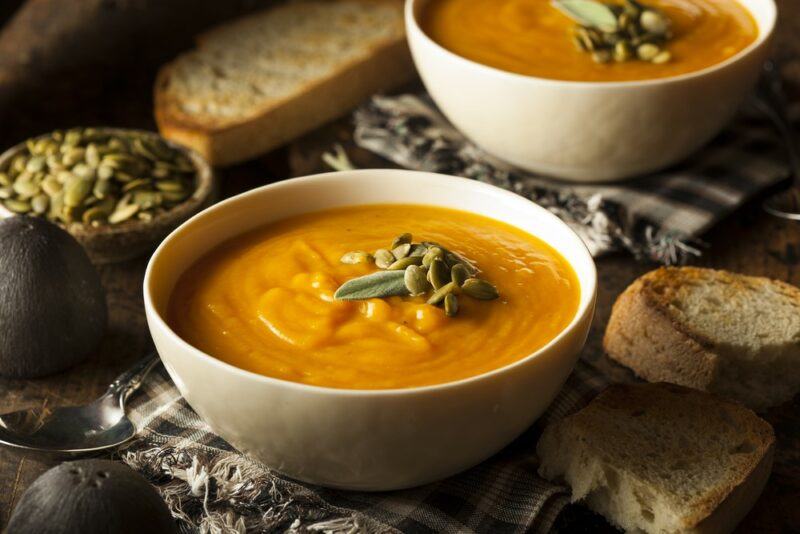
x=416, y=269
x=619, y=32
x=94, y=177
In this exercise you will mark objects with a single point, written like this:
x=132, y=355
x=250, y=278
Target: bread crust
x=387, y=65
x=639, y=328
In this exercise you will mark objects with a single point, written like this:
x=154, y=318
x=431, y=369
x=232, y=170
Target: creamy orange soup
x=532, y=37
x=264, y=301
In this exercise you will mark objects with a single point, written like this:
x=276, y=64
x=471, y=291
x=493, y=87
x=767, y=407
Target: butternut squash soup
x=265, y=302
x=534, y=38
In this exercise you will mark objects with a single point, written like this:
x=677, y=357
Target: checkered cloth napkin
x=214, y=489
x=657, y=217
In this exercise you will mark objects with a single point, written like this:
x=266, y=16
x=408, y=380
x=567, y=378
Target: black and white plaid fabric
x=658, y=217
x=213, y=489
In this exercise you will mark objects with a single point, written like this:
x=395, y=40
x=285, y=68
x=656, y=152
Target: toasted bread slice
x=258, y=82
x=661, y=458
x=731, y=334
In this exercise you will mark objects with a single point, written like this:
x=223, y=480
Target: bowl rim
x=585, y=308
x=764, y=36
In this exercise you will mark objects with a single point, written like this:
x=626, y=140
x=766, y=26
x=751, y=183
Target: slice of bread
x=661, y=458
x=731, y=334
x=263, y=80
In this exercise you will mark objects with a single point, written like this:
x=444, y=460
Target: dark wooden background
x=749, y=242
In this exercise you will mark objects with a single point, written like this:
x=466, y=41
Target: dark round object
x=91, y=497
x=52, y=305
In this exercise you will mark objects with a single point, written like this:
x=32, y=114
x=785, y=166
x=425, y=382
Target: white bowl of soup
x=508, y=75
x=374, y=394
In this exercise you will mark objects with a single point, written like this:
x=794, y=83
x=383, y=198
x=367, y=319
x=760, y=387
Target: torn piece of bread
x=731, y=334
x=661, y=458
x=258, y=82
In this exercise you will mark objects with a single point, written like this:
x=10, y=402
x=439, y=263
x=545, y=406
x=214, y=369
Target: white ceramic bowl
x=588, y=131
x=365, y=439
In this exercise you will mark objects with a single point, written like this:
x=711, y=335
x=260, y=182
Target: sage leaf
x=589, y=13
x=373, y=286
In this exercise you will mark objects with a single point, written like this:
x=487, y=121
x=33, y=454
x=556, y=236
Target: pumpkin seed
x=5, y=180
x=654, y=22
x=354, y=258
x=432, y=254
x=450, y=305
x=439, y=295
x=402, y=239
x=40, y=203
x=402, y=263
x=479, y=289
x=438, y=273
x=6, y=192
x=401, y=251
x=17, y=206
x=76, y=190
x=663, y=57
x=647, y=51
x=122, y=213
x=418, y=250
x=384, y=258
x=94, y=215
x=459, y=273
x=415, y=280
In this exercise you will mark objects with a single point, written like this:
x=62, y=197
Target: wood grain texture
x=749, y=242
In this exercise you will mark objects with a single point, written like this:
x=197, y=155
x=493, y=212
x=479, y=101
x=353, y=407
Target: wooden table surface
x=749, y=242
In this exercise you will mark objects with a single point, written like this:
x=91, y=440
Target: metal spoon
x=771, y=100
x=78, y=430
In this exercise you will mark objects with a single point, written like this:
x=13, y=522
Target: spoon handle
x=129, y=381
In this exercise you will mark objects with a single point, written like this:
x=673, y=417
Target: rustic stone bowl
x=133, y=238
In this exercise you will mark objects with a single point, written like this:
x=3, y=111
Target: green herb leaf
x=376, y=285
x=588, y=13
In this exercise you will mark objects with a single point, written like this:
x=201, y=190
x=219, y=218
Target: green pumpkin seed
x=418, y=250
x=147, y=199
x=135, y=184
x=479, y=289
x=122, y=213
x=439, y=295
x=402, y=239
x=415, y=280
x=384, y=258
x=432, y=254
x=647, y=51
x=6, y=192
x=663, y=57
x=172, y=186
x=104, y=172
x=459, y=273
x=51, y=185
x=35, y=164
x=654, y=22
x=17, y=206
x=356, y=257
x=401, y=251
x=438, y=273
x=76, y=190
x=5, y=180
x=450, y=305
x=94, y=215
x=25, y=187
x=40, y=203
x=402, y=263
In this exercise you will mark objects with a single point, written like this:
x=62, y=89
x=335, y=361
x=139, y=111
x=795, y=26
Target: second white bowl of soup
x=508, y=75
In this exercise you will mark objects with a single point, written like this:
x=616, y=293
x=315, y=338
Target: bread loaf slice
x=661, y=458
x=731, y=334
x=258, y=82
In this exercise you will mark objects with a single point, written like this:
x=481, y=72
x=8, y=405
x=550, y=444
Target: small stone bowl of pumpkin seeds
x=117, y=191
